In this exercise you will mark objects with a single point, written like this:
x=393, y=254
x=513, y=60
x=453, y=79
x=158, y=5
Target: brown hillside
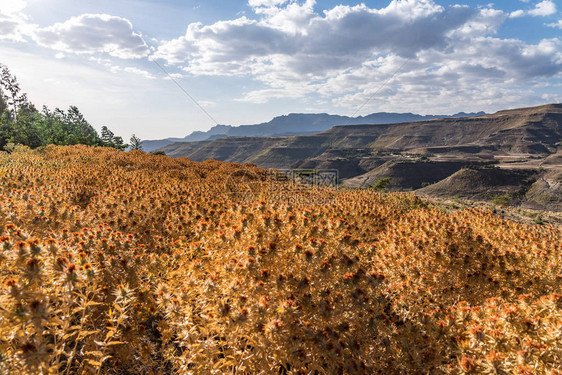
x=126, y=263
x=412, y=153
x=536, y=131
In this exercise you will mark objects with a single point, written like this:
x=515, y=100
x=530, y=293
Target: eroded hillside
x=413, y=154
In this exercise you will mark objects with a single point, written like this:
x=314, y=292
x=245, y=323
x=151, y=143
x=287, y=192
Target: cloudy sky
x=246, y=61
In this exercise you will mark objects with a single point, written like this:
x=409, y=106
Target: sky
x=134, y=65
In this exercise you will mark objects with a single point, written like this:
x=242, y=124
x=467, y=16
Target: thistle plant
x=131, y=263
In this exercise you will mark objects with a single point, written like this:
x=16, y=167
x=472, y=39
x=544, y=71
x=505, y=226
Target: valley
x=516, y=152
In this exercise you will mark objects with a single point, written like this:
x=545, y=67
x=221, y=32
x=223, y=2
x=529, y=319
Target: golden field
x=131, y=263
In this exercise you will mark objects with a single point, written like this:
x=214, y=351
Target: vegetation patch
x=130, y=263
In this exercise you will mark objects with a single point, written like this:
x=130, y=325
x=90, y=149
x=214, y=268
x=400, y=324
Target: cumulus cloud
x=517, y=13
x=116, y=69
x=437, y=83
x=542, y=9
x=94, y=33
x=12, y=6
x=343, y=54
x=12, y=22
x=555, y=25
x=296, y=43
x=293, y=18
x=8, y=27
x=339, y=56
x=484, y=22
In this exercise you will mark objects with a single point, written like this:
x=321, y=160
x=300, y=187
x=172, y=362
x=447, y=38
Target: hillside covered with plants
x=131, y=263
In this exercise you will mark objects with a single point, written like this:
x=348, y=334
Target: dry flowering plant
x=131, y=263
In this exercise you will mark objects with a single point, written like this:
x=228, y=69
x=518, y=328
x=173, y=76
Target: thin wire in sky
x=380, y=88
x=184, y=90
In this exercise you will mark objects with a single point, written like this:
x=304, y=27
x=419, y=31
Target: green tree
x=17, y=114
x=135, y=143
x=21, y=123
x=107, y=135
x=109, y=139
x=3, y=101
x=5, y=120
x=119, y=144
x=24, y=129
x=11, y=88
x=82, y=132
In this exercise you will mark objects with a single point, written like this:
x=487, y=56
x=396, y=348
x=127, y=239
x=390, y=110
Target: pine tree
x=107, y=136
x=135, y=143
x=82, y=131
x=119, y=144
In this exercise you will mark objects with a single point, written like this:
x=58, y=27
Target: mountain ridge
x=297, y=124
x=414, y=154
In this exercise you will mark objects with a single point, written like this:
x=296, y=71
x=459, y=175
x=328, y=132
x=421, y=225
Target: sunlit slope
x=121, y=263
x=535, y=131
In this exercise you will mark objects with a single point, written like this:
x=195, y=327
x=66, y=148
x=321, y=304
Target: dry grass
x=130, y=263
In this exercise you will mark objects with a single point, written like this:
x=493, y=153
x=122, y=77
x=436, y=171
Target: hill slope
x=131, y=263
x=535, y=130
x=411, y=153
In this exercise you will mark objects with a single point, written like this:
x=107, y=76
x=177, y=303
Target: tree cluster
x=22, y=123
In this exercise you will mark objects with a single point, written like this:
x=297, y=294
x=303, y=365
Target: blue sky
x=248, y=61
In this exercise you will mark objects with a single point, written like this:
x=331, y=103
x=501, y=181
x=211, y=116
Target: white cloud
x=175, y=76
x=284, y=45
x=140, y=72
x=9, y=7
x=517, y=14
x=266, y=3
x=485, y=22
x=13, y=25
x=293, y=18
x=93, y=33
x=345, y=53
x=207, y=103
x=116, y=69
x=8, y=27
x=332, y=60
x=412, y=9
x=429, y=88
x=544, y=8
x=555, y=25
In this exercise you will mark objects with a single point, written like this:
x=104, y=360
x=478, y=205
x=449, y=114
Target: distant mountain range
x=523, y=146
x=296, y=124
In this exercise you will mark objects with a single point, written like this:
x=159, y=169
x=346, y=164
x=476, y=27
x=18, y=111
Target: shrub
x=131, y=263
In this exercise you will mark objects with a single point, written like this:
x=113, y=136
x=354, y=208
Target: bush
x=382, y=184
x=502, y=200
x=131, y=263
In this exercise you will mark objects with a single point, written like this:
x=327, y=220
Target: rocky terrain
x=295, y=124
x=514, y=154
